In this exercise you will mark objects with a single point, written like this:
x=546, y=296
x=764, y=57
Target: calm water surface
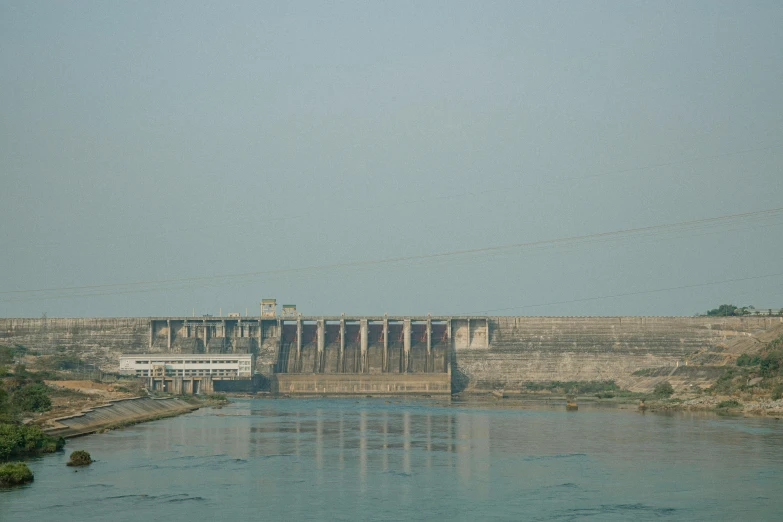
x=373, y=459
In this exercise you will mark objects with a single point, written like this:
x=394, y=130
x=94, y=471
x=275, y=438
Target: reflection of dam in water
x=387, y=438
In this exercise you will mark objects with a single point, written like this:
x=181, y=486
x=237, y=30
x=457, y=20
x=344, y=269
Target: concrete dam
x=406, y=355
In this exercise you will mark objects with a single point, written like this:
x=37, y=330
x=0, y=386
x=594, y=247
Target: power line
x=627, y=294
x=458, y=195
x=77, y=291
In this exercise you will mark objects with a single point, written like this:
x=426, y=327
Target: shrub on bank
x=14, y=474
x=80, y=458
x=663, y=390
x=9, y=353
x=728, y=382
x=767, y=364
x=576, y=387
x=18, y=439
x=769, y=360
x=747, y=360
x=729, y=404
x=644, y=372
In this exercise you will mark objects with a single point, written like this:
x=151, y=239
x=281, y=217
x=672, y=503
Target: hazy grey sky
x=159, y=141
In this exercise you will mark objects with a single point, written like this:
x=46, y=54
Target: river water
x=342, y=459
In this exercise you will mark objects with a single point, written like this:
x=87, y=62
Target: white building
x=218, y=366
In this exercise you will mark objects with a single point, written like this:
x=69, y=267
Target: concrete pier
x=406, y=344
x=429, y=364
x=341, y=356
x=363, y=346
x=385, y=344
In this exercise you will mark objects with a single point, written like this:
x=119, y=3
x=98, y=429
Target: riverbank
x=760, y=407
x=416, y=457
x=123, y=412
x=755, y=408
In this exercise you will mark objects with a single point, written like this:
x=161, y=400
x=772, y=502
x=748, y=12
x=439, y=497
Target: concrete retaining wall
x=118, y=412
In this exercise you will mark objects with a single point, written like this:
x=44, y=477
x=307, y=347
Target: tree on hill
x=726, y=310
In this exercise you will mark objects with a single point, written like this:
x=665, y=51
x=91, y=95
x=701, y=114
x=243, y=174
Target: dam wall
x=479, y=353
x=99, y=341
x=537, y=349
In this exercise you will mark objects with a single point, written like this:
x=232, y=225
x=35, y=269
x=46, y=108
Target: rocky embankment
x=760, y=406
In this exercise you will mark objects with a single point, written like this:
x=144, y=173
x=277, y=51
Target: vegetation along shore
x=38, y=394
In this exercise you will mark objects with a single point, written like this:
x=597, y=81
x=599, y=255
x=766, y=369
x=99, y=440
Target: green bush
x=32, y=397
x=777, y=392
x=725, y=383
x=6, y=355
x=18, y=439
x=729, y=404
x=663, y=390
x=14, y=474
x=7, y=411
x=10, y=440
x=47, y=375
x=772, y=363
x=576, y=387
x=768, y=363
x=747, y=360
x=80, y=458
x=62, y=362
